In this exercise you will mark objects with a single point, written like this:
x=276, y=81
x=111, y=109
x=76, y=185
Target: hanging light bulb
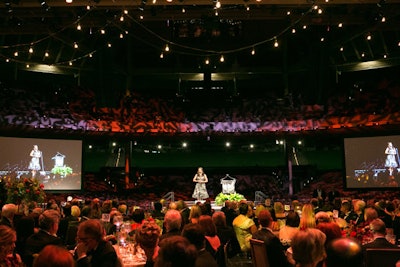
x=276, y=44
x=218, y=4
x=16, y=54
x=183, y=10
x=121, y=36
x=46, y=54
x=30, y=50
x=88, y=7
x=76, y=45
x=340, y=25
x=293, y=30
x=253, y=52
x=222, y=59
x=126, y=11
x=166, y=48
x=109, y=45
x=162, y=55
x=78, y=27
x=207, y=61
x=369, y=37
x=102, y=31
x=121, y=18
x=70, y=63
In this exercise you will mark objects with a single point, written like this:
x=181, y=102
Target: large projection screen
x=58, y=165
x=372, y=162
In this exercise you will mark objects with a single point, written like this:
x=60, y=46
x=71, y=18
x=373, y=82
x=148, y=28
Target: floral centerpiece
x=221, y=198
x=24, y=190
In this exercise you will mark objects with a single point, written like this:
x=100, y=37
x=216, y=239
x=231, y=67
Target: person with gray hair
x=47, y=235
x=7, y=215
x=172, y=223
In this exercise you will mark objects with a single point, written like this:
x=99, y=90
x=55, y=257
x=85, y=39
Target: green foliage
x=24, y=190
x=63, y=171
x=221, y=198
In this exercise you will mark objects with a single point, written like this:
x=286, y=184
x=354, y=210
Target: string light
x=121, y=36
x=162, y=55
x=222, y=59
x=126, y=11
x=218, y=4
x=293, y=30
x=70, y=63
x=78, y=27
x=7, y=60
x=76, y=45
x=102, y=31
x=253, y=52
x=46, y=54
x=30, y=50
x=28, y=66
x=340, y=25
x=166, y=48
x=121, y=18
x=183, y=10
x=247, y=8
x=276, y=44
x=109, y=45
x=369, y=37
x=88, y=7
x=288, y=13
x=341, y=49
x=207, y=61
x=16, y=54
x=383, y=19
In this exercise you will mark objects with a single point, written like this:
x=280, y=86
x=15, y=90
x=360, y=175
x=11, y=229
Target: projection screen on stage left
x=58, y=165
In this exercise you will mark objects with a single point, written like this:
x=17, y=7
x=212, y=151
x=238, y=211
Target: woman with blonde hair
x=307, y=219
x=195, y=213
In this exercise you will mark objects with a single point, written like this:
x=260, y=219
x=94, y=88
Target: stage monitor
x=372, y=162
x=57, y=163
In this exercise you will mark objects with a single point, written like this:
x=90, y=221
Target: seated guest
x=146, y=237
x=8, y=258
x=344, y=252
x=226, y=234
x=176, y=251
x=194, y=233
x=210, y=233
x=378, y=229
x=275, y=250
x=172, y=223
x=92, y=249
x=7, y=215
x=346, y=212
x=331, y=230
x=52, y=256
x=48, y=227
x=244, y=227
x=307, y=248
x=287, y=232
x=195, y=213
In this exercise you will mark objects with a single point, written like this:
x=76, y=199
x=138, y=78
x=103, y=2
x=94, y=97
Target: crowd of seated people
x=303, y=235
x=76, y=108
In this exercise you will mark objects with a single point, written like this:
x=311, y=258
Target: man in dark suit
x=172, y=224
x=275, y=250
x=92, y=250
x=378, y=228
x=48, y=227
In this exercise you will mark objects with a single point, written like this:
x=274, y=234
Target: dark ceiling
x=121, y=42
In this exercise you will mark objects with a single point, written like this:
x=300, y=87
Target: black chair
x=385, y=257
x=259, y=253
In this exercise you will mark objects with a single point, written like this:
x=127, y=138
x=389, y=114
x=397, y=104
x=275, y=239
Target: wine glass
x=118, y=220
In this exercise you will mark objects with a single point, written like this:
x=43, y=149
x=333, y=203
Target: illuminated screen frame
x=368, y=163
x=58, y=166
